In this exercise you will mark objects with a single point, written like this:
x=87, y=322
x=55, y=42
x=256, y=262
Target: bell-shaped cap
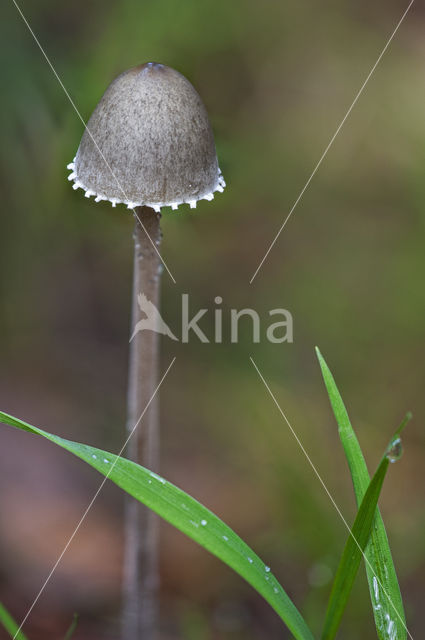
x=148, y=142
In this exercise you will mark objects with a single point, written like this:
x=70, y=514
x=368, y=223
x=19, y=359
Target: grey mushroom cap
x=148, y=142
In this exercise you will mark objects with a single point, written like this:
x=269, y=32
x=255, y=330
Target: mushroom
x=148, y=144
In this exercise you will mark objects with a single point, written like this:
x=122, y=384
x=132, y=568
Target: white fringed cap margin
x=149, y=143
x=131, y=205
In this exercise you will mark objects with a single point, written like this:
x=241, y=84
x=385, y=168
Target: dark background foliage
x=277, y=78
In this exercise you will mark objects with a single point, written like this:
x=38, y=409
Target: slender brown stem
x=141, y=578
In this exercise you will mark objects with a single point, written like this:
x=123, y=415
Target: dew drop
x=157, y=477
x=375, y=588
x=267, y=569
x=204, y=523
x=105, y=460
x=250, y=560
x=94, y=456
x=225, y=538
x=276, y=590
x=395, y=450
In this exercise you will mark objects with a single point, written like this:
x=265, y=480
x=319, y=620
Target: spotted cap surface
x=148, y=142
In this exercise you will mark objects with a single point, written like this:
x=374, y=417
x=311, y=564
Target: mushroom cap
x=148, y=142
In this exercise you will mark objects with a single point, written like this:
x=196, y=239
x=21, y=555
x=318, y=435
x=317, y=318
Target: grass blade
x=187, y=515
x=356, y=543
x=10, y=625
x=73, y=627
x=388, y=613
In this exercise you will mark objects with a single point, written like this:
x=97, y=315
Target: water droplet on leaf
x=395, y=450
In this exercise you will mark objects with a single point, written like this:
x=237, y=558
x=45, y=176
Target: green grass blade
x=388, y=612
x=10, y=625
x=73, y=627
x=356, y=543
x=187, y=515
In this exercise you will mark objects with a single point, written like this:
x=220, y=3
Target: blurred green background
x=277, y=78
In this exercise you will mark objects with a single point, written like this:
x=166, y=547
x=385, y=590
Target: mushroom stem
x=141, y=577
